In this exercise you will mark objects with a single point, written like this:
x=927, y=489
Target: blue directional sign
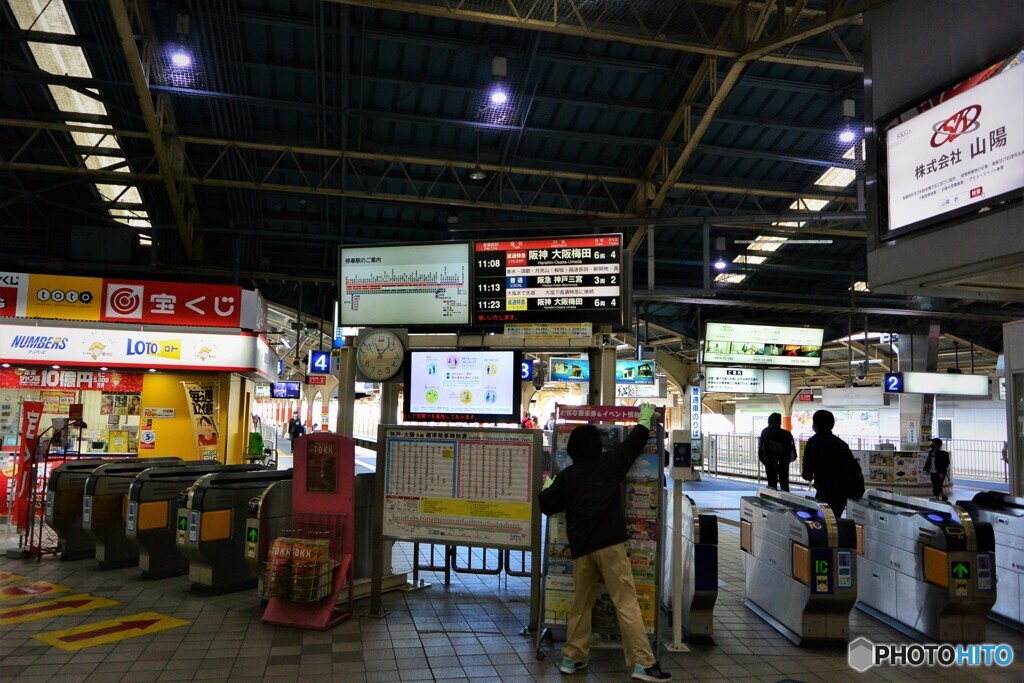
x=526, y=370
x=319, y=362
x=893, y=383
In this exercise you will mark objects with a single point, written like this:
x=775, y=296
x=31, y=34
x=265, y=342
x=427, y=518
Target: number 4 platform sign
x=578, y=279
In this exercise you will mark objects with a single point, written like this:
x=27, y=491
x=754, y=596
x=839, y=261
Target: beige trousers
x=612, y=564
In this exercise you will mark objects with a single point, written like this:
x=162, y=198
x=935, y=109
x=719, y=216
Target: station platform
x=468, y=631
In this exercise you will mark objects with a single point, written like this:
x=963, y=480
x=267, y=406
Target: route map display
x=449, y=485
x=420, y=284
x=578, y=279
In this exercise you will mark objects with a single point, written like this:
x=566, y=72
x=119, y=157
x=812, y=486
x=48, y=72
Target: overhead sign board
x=578, y=279
x=404, y=285
x=171, y=303
x=569, y=369
x=945, y=384
x=747, y=380
x=319, y=362
x=61, y=297
x=737, y=344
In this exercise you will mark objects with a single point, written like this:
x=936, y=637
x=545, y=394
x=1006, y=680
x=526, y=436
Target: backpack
x=854, y=478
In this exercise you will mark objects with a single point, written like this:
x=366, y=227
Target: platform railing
x=736, y=455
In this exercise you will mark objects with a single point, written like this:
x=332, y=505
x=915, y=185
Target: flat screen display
x=957, y=151
x=286, y=390
x=404, y=285
x=462, y=386
x=735, y=344
x=262, y=391
x=747, y=380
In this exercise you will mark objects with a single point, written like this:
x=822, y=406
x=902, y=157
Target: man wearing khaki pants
x=589, y=492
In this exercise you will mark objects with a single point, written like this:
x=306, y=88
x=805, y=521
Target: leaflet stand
x=323, y=502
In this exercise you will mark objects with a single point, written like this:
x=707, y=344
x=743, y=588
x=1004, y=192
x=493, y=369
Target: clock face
x=379, y=355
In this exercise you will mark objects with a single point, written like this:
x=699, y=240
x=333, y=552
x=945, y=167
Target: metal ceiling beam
x=568, y=22
x=183, y=207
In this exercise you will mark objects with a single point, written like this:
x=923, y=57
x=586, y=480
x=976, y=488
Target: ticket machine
x=1006, y=515
x=64, y=492
x=213, y=537
x=798, y=561
x=105, y=507
x=152, y=507
x=926, y=567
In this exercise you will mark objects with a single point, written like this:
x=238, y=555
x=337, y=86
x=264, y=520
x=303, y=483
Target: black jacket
x=825, y=460
x=776, y=435
x=941, y=461
x=590, y=495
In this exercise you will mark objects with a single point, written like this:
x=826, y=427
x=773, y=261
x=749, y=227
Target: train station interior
x=301, y=301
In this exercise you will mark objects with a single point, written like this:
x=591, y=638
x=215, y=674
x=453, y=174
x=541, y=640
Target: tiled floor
x=469, y=630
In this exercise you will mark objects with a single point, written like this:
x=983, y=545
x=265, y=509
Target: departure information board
x=577, y=279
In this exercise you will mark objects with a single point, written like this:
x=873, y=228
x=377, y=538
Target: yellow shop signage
x=60, y=297
x=162, y=348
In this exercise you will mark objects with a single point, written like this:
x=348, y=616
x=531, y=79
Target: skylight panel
x=836, y=177
x=860, y=286
x=46, y=16
x=809, y=204
x=730, y=278
x=97, y=162
x=119, y=193
x=766, y=243
x=750, y=258
x=74, y=101
x=60, y=60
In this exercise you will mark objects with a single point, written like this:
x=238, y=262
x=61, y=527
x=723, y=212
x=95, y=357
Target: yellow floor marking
x=102, y=632
x=52, y=608
x=7, y=577
x=30, y=590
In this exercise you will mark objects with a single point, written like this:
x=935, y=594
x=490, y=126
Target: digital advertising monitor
x=462, y=386
x=286, y=390
x=408, y=285
x=736, y=344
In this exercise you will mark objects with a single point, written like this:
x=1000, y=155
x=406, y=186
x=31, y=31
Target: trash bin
x=363, y=555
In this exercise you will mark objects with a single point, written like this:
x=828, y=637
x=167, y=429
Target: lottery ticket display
x=469, y=486
x=643, y=499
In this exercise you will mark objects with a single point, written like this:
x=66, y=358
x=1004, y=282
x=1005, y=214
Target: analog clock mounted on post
x=379, y=355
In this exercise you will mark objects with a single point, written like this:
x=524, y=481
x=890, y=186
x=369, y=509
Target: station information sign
x=577, y=279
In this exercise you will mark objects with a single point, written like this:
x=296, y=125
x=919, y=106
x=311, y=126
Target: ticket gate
x=699, y=537
x=213, y=537
x=104, y=508
x=153, y=502
x=269, y=514
x=926, y=568
x=1006, y=515
x=798, y=560
x=64, y=492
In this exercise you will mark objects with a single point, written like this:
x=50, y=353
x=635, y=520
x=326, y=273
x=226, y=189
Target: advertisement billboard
x=736, y=344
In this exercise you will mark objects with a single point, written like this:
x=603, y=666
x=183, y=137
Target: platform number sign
x=320, y=362
x=893, y=383
x=526, y=370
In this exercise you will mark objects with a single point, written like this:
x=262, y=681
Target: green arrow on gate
x=182, y=523
x=253, y=535
x=961, y=570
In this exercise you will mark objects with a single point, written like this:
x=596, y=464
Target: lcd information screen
x=406, y=285
x=262, y=391
x=286, y=390
x=462, y=386
x=731, y=343
x=747, y=381
x=579, y=279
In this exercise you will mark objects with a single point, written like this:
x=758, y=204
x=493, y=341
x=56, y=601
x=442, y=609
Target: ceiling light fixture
x=499, y=71
x=181, y=59
x=498, y=96
x=847, y=136
x=720, y=264
x=477, y=173
x=849, y=111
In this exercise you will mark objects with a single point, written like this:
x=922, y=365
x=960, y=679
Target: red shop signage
x=171, y=303
x=82, y=380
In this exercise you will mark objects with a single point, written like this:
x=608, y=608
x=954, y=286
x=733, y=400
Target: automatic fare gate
x=152, y=513
x=64, y=491
x=1006, y=515
x=105, y=508
x=926, y=568
x=798, y=560
x=213, y=537
x=699, y=541
x=269, y=515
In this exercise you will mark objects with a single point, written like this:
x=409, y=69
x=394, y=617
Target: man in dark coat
x=776, y=449
x=589, y=493
x=937, y=465
x=825, y=461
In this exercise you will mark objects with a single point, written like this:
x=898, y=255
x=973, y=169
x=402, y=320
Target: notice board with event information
x=643, y=499
x=460, y=485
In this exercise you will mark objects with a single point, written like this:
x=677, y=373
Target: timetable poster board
x=643, y=502
x=471, y=486
x=578, y=279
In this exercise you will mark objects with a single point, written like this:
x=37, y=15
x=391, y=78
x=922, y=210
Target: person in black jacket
x=589, y=492
x=937, y=465
x=776, y=449
x=825, y=461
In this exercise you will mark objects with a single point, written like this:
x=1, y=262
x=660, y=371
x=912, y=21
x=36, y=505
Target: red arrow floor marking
x=59, y=604
x=141, y=625
x=26, y=590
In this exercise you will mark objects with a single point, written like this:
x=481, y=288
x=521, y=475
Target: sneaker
x=651, y=673
x=571, y=666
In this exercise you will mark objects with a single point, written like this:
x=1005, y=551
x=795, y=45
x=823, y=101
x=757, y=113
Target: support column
x=917, y=353
x=1013, y=350
x=389, y=403
x=346, y=389
x=602, y=376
